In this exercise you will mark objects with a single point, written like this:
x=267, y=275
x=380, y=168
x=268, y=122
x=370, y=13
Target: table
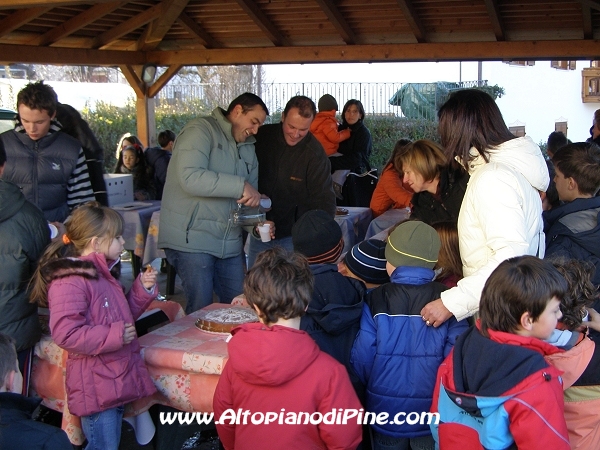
x=135, y=230
x=387, y=220
x=49, y=370
x=185, y=364
x=354, y=225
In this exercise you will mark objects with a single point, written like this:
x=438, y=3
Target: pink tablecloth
x=185, y=364
x=48, y=376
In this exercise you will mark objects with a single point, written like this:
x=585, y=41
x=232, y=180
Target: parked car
x=7, y=120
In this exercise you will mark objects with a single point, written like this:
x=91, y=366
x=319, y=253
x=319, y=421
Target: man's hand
x=435, y=313
x=250, y=196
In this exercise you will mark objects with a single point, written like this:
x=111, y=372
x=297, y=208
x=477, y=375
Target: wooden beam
x=134, y=79
x=338, y=21
x=260, y=19
x=594, y=4
x=494, y=13
x=29, y=54
x=19, y=18
x=411, y=16
x=158, y=28
x=145, y=119
x=586, y=17
x=197, y=31
x=15, y=4
x=458, y=51
x=127, y=27
x=76, y=23
x=163, y=80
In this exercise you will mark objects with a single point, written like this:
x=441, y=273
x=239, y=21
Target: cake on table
x=223, y=320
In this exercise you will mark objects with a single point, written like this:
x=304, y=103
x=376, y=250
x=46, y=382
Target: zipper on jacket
x=34, y=173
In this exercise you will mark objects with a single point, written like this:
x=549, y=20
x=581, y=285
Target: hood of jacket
x=11, y=200
x=520, y=154
x=84, y=266
x=579, y=220
x=261, y=355
x=480, y=374
x=335, y=317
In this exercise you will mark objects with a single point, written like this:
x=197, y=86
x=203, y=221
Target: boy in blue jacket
x=572, y=229
x=396, y=353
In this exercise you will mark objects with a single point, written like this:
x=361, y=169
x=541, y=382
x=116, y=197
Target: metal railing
x=375, y=97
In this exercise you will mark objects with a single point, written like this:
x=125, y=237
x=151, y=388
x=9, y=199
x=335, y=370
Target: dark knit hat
x=327, y=103
x=413, y=243
x=318, y=237
x=367, y=261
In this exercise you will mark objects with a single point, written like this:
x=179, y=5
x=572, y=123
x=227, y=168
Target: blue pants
x=256, y=246
x=103, y=429
x=201, y=274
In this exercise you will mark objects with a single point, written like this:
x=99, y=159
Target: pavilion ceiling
x=207, y=32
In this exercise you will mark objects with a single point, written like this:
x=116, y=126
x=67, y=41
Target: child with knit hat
x=333, y=314
x=396, y=354
x=325, y=126
x=366, y=262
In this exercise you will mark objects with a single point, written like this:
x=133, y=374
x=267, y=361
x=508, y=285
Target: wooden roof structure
x=176, y=33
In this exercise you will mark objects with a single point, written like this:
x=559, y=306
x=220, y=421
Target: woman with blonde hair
x=439, y=187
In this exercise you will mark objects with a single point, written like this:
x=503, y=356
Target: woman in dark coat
x=355, y=150
x=439, y=187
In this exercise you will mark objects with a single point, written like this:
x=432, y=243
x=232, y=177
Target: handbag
x=358, y=188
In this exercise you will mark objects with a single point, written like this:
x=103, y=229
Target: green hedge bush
x=109, y=123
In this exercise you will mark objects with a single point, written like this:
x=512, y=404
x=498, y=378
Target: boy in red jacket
x=278, y=390
x=495, y=390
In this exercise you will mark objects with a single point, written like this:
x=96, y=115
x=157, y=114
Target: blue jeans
x=383, y=442
x=201, y=274
x=103, y=429
x=256, y=246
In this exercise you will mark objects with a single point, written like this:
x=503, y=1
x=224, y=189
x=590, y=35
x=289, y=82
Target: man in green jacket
x=213, y=169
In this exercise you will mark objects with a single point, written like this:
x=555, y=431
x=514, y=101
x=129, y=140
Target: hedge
x=109, y=123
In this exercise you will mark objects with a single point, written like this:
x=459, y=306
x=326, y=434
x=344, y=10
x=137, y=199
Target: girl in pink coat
x=92, y=319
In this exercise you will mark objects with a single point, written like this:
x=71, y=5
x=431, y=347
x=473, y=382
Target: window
x=561, y=125
x=563, y=65
x=517, y=128
x=590, y=85
x=520, y=63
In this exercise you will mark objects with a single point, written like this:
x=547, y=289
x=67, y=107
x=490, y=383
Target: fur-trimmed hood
x=86, y=267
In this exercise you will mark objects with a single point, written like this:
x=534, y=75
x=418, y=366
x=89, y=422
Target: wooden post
x=146, y=122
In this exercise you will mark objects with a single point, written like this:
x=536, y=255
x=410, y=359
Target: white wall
x=539, y=95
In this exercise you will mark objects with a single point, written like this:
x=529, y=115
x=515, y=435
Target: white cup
x=265, y=232
x=53, y=231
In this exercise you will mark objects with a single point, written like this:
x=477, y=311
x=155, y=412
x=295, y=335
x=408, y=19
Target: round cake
x=223, y=320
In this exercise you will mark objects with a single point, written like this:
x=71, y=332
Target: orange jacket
x=582, y=402
x=390, y=192
x=325, y=129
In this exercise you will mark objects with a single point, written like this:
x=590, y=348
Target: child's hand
x=129, y=333
x=148, y=277
x=593, y=319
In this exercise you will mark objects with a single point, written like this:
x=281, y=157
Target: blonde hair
x=424, y=156
x=86, y=222
x=449, y=257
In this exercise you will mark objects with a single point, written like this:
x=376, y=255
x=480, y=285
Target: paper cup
x=265, y=232
x=53, y=231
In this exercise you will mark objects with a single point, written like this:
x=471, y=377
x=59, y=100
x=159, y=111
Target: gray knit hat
x=413, y=243
x=327, y=103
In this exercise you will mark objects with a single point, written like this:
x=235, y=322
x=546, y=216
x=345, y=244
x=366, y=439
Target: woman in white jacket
x=501, y=213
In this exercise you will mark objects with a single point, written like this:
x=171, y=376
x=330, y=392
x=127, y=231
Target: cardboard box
x=119, y=188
